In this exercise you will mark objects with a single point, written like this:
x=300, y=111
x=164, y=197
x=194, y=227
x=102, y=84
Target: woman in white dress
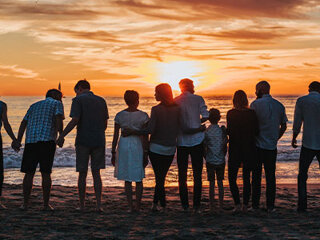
x=129, y=155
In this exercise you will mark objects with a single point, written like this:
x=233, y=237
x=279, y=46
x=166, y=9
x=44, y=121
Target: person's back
x=242, y=128
x=41, y=120
x=216, y=141
x=92, y=113
x=192, y=107
x=308, y=112
x=166, y=127
x=271, y=114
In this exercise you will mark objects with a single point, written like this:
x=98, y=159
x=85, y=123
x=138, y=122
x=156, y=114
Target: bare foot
x=48, y=208
x=237, y=209
x=244, y=208
x=100, y=210
x=2, y=207
x=23, y=207
x=154, y=207
x=80, y=209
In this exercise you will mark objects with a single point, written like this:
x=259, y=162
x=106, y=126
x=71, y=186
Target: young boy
x=215, y=151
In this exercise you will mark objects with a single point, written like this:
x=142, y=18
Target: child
x=132, y=150
x=215, y=151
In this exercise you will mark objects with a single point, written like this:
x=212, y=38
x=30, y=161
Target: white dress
x=129, y=161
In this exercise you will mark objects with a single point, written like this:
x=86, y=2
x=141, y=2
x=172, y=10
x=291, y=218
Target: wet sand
x=66, y=223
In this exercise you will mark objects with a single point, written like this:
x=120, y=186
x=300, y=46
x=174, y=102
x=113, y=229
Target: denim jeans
x=196, y=153
x=160, y=165
x=306, y=157
x=268, y=159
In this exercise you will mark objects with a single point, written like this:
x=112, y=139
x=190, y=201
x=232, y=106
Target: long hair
x=164, y=92
x=240, y=100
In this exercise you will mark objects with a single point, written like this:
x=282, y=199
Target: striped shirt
x=41, y=124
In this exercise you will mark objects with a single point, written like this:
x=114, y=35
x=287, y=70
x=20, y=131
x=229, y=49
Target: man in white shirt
x=307, y=111
x=192, y=106
x=272, y=125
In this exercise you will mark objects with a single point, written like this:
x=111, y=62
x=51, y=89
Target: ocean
x=64, y=164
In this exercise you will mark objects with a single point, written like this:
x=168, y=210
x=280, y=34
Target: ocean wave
x=66, y=157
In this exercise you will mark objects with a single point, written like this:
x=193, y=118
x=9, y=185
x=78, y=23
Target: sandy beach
x=66, y=223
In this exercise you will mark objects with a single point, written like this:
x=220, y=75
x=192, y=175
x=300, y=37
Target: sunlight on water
x=64, y=172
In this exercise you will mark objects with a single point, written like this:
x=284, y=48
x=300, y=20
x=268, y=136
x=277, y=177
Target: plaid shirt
x=41, y=120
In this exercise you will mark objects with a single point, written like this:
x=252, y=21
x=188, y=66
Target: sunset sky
x=223, y=45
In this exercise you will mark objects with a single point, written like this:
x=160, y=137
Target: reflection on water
x=287, y=172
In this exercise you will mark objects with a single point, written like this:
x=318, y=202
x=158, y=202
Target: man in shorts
x=42, y=121
x=89, y=113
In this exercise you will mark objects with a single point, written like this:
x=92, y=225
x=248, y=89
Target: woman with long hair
x=163, y=127
x=242, y=128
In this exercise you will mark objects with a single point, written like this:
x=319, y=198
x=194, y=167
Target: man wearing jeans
x=307, y=111
x=192, y=106
x=272, y=125
x=90, y=114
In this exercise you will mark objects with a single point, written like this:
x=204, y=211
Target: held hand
x=16, y=145
x=113, y=159
x=145, y=159
x=202, y=128
x=60, y=141
x=294, y=143
x=126, y=132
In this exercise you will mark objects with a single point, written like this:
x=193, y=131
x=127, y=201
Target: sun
x=173, y=72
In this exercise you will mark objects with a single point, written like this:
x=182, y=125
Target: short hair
x=264, y=86
x=314, y=86
x=165, y=93
x=214, y=115
x=240, y=99
x=84, y=84
x=55, y=94
x=186, y=84
x=131, y=97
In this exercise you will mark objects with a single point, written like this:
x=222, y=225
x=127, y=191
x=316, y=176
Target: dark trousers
x=160, y=165
x=268, y=159
x=1, y=166
x=196, y=153
x=232, y=175
x=306, y=157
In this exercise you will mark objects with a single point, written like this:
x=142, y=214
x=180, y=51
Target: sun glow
x=173, y=72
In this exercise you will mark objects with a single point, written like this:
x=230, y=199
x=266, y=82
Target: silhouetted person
x=130, y=154
x=272, y=125
x=42, y=121
x=192, y=107
x=163, y=127
x=15, y=143
x=89, y=113
x=242, y=128
x=307, y=112
x=215, y=151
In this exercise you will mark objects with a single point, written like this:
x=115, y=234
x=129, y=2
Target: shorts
x=41, y=153
x=213, y=170
x=97, y=155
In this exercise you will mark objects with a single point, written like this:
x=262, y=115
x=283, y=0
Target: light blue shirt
x=191, y=106
x=271, y=114
x=307, y=111
x=162, y=150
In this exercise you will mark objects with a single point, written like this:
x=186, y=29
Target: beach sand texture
x=66, y=223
